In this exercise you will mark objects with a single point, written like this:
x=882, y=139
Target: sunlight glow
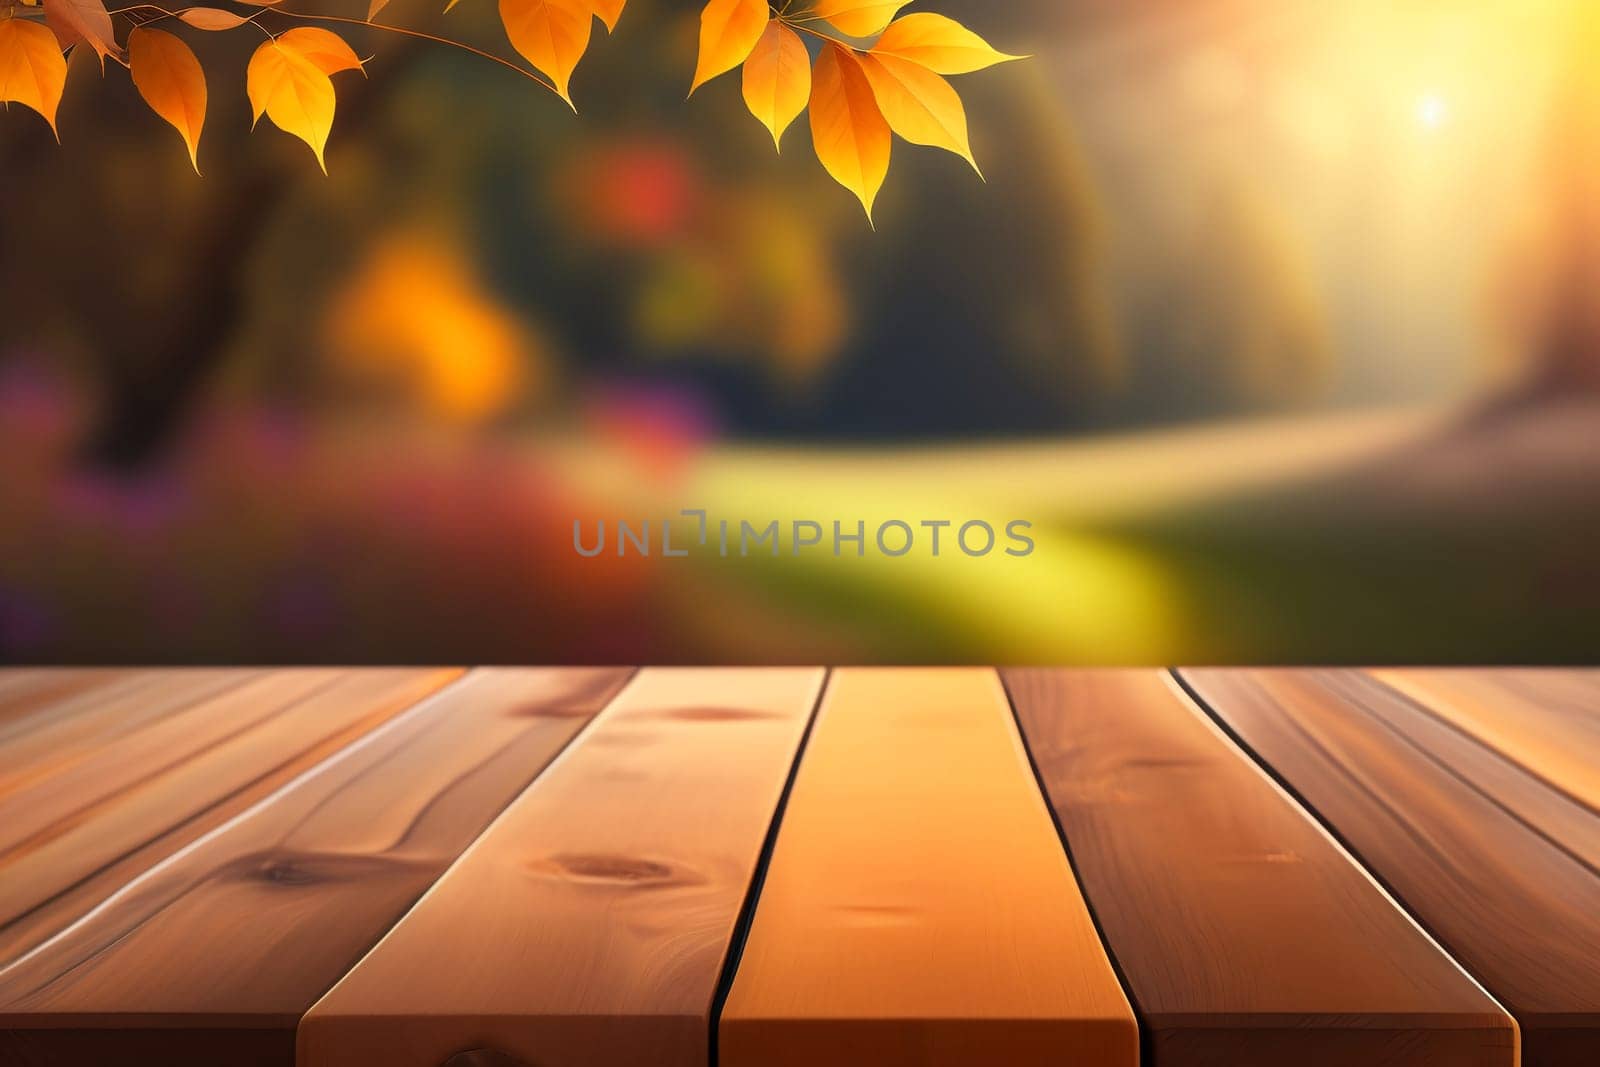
x=1433, y=110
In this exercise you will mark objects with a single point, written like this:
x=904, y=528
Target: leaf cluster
x=863, y=70
x=856, y=96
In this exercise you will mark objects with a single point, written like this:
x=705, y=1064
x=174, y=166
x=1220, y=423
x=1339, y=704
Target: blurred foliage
x=273, y=415
x=414, y=323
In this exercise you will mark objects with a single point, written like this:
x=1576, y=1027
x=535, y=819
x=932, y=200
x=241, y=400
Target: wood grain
x=212, y=955
x=589, y=925
x=121, y=786
x=919, y=908
x=1548, y=811
x=1519, y=912
x=94, y=715
x=1546, y=721
x=1246, y=935
x=26, y=691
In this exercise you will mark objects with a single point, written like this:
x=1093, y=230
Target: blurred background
x=1280, y=319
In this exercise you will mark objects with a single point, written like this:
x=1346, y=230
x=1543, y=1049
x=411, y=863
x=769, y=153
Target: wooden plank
x=589, y=925
x=1246, y=935
x=123, y=786
x=1518, y=912
x=1549, y=811
x=1546, y=721
x=61, y=733
x=23, y=692
x=212, y=955
x=919, y=908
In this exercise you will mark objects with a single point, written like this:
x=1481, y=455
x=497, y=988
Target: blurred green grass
x=1332, y=539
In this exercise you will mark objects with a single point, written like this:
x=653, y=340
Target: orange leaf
x=608, y=11
x=858, y=18
x=729, y=30
x=850, y=134
x=169, y=78
x=942, y=45
x=83, y=20
x=550, y=34
x=293, y=92
x=918, y=104
x=211, y=18
x=777, y=79
x=326, y=50
x=32, y=70
x=261, y=3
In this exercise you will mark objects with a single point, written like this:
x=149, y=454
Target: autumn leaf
x=169, y=77
x=849, y=132
x=327, y=50
x=32, y=69
x=66, y=36
x=84, y=20
x=211, y=18
x=550, y=34
x=777, y=79
x=858, y=96
x=608, y=11
x=292, y=91
x=942, y=45
x=729, y=30
x=858, y=18
x=918, y=104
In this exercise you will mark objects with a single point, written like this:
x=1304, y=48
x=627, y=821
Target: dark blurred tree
x=141, y=267
x=993, y=313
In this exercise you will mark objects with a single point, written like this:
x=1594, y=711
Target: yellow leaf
x=211, y=18
x=608, y=11
x=729, y=30
x=293, y=92
x=777, y=79
x=84, y=20
x=550, y=34
x=326, y=50
x=850, y=134
x=918, y=104
x=169, y=78
x=858, y=18
x=942, y=45
x=32, y=70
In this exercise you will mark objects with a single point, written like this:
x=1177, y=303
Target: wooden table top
x=918, y=897
x=762, y=868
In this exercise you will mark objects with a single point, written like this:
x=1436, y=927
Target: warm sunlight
x=1433, y=110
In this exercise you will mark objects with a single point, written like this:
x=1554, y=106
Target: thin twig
x=421, y=36
x=793, y=25
x=418, y=34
